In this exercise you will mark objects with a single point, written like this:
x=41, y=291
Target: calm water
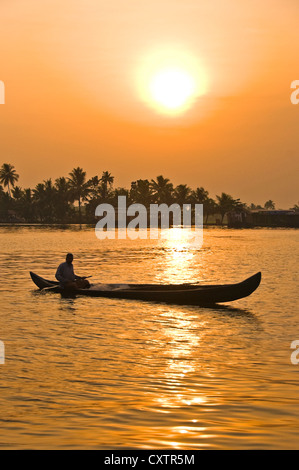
x=107, y=374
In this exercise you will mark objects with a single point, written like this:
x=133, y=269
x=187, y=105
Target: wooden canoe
x=183, y=294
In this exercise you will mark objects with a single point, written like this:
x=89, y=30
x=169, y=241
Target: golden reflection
x=181, y=263
x=178, y=237
x=188, y=429
x=182, y=335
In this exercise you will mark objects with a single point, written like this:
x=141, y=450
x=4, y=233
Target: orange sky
x=71, y=71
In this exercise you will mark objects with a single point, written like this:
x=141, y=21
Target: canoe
x=183, y=294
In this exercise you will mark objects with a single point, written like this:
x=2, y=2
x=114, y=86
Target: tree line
x=73, y=199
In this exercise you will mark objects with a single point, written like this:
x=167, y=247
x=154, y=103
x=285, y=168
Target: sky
x=79, y=78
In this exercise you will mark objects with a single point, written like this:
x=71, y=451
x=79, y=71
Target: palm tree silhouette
x=106, y=180
x=162, y=190
x=269, y=205
x=182, y=194
x=62, y=198
x=79, y=188
x=95, y=186
x=226, y=203
x=17, y=193
x=8, y=176
x=141, y=192
x=200, y=195
x=39, y=201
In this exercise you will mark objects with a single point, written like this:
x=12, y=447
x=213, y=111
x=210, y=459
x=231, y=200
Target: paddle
x=49, y=288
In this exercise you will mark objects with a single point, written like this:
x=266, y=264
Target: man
x=66, y=276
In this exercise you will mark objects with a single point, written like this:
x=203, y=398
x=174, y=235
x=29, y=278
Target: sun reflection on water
x=182, y=261
x=180, y=381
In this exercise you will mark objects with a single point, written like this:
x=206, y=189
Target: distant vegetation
x=74, y=198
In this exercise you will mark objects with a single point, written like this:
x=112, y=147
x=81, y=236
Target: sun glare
x=170, y=81
x=172, y=88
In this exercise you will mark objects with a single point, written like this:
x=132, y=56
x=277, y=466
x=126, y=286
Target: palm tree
x=120, y=192
x=141, y=192
x=62, y=185
x=62, y=198
x=94, y=197
x=162, y=190
x=254, y=207
x=50, y=199
x=95, y=186
x=106, y=180
x=17, y=193
x=5, y=204
x=27, y=206
x=8, y=176
x=295, y=208
x=39, y=199
x=182, y=194
x=79, y=187
x=269, y=205
x=44, y=201
x=200, y=195
x=226, y=203
x=27, y=195
x=39, y=191
x=209, y=207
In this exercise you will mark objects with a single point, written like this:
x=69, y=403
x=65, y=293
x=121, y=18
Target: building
x=245, y=218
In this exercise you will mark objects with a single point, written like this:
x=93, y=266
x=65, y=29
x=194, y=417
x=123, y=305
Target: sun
x=171, y=80
x=172, y=88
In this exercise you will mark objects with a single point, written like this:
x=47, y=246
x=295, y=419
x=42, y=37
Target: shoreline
x=86, y=225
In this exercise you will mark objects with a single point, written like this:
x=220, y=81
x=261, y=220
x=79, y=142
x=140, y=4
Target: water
x=112, y=374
